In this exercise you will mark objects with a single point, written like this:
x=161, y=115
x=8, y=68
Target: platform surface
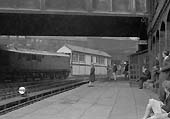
x=106, y=100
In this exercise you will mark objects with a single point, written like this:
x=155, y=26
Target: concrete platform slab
x=106, y=100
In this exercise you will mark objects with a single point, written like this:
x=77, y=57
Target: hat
x=166, y=84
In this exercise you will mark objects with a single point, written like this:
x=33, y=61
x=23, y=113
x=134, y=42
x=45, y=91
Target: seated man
x=153, y=82
x=145, y=76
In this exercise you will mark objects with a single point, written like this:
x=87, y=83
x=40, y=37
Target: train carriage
x=23, y=65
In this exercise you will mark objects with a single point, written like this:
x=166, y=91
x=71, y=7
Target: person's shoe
x=140, y=87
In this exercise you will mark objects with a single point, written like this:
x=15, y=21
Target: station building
x=158, y=38
x=82, y=58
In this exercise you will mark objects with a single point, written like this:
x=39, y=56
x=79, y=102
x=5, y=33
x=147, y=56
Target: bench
x=149, y=84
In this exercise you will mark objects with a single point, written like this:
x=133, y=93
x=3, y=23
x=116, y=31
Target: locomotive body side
x=25, y=65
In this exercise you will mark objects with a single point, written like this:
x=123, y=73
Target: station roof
x=138, y=53
x=87, y=50
x=35, y=52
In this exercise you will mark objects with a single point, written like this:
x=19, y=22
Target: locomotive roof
x=87, y=50
x=36, y=52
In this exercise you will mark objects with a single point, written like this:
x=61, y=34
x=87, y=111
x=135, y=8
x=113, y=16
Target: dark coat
x=164, y=75
x=114, y=68
x=165, y=72
x=145, y=76
x=126, y=67
x=92, y=74
x=166, y=105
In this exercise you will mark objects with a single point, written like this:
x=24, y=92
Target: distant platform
x=106, y=100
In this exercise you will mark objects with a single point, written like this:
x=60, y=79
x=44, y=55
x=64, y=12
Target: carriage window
x=33, y=57
x=28, y=57
x=20, y=56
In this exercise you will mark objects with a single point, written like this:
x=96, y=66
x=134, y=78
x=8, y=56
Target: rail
x=18, y=102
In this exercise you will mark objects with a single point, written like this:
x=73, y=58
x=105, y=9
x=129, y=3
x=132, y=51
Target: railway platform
x=106, y=100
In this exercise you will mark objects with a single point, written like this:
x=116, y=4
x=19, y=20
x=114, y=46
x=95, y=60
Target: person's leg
x=89, y=82
x=141, y=83
x=109, y=77
x=147, y=111
x=114, y=74
x=126, y=75
x=153, y=106
x=161, y=93
x=156, y=106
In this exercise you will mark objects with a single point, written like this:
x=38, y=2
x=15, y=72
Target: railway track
x=19, y=102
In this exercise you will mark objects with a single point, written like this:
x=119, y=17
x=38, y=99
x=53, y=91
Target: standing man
x=109, y=72
x=92, y=75
x=114, y=71
x=164, y=73
x=126, y=70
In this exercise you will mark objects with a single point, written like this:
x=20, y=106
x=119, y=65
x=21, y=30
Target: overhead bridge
x=74, y=17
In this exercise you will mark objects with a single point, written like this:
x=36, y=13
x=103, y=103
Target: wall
x=79, y=68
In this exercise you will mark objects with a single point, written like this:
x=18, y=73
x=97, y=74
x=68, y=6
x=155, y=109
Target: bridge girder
x=72, y=25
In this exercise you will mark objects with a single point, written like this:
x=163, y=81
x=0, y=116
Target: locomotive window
x=33, y=57
x=28, y=57
x=39, y=58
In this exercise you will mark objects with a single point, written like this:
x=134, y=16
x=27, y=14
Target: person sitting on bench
x=146, y=75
